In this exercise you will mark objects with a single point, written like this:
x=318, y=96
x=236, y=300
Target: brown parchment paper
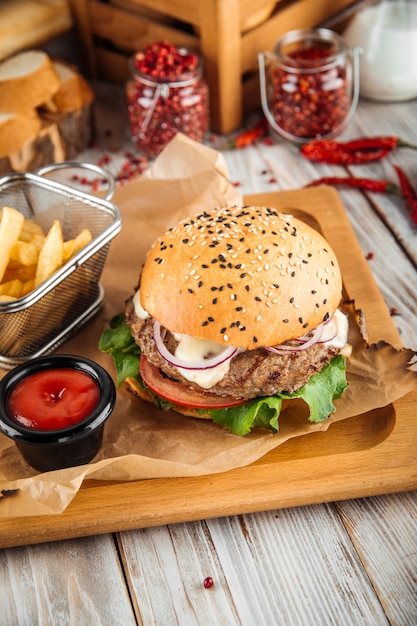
x=140, y=441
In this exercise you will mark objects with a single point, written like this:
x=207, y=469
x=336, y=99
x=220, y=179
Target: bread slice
x=16, y=129
x=26, y=24
x=74, y=92
x=27, y=80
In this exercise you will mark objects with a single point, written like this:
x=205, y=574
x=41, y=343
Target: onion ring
x=318, y=335
x=203, y=364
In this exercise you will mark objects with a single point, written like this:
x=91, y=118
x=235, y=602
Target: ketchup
x=53, y=399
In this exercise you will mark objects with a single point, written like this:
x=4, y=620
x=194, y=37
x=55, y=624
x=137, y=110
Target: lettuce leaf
x=319, y=392
x=119, y=343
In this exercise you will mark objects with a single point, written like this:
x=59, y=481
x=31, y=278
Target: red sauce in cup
x=53, y=399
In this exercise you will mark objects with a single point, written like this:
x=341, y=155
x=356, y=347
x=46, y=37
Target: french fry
x=72, y=246
x=7, y=298
x=22, y=272
x=10, y=226
x=31, y=229
x=27, y=287
x=51, y=255
x=25, y=253
x=28, y=256
x=11, y=288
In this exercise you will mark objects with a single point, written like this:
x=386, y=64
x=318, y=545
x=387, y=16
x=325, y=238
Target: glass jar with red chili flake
x=310, y=85
x=166, y=94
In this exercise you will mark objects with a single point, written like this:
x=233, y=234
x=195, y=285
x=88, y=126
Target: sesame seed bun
x=242, y=276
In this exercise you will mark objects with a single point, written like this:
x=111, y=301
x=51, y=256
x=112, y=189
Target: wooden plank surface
x=353, y=562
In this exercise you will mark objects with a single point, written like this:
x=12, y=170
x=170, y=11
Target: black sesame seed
x=305, y=325
x=213, y=288
x=255, y=339
x=285, y=321
x=210, y=319
x=214, y=301
x=223, y=330
x=292, y=300
x=243, y=275
x=292, y=274
x=185, y=240
x=313, y=291
x=258, y=299
x=190, y=291
x=247, y=287
x=205, y=323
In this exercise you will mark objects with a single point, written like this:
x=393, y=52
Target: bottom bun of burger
x=237, y=309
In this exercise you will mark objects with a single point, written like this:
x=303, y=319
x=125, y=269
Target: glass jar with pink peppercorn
x=166, y=94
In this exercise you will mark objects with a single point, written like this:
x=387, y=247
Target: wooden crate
x=229, y=34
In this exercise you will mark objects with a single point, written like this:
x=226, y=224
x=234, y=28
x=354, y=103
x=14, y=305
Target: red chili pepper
x=249, y=137
x=367, y=184
x=362, y=150
x=408, y=192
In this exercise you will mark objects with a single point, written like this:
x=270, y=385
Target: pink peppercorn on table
x=340, y=546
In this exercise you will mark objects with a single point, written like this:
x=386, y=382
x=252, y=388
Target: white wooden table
x=343, y=563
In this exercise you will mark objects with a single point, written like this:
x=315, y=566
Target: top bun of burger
x=242, y=276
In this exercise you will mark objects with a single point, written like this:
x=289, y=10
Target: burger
x=237, y=311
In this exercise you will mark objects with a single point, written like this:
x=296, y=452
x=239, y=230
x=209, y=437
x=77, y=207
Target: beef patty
x=252, y=373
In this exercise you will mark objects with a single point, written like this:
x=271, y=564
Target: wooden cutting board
x=366, y=455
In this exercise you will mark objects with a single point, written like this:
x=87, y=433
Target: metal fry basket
x=39, y=322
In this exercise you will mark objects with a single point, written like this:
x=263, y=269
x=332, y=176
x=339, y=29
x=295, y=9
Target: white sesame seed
x=225, y=337
x=258, y=318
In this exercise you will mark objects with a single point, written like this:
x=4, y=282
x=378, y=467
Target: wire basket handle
x=88, y=166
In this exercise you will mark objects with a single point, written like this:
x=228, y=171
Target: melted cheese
x=190, y=349
x=139, y=310
x=342, y=326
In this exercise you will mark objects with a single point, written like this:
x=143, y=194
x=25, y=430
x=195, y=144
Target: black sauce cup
x=74, y=445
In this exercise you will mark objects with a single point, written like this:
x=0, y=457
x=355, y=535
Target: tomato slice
x=180, y=394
